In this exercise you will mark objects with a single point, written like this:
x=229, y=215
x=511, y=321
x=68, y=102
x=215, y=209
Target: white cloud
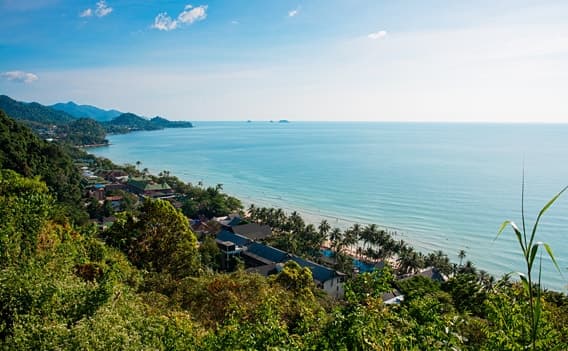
x=86, y=13
x=377, y=35
x=193, y=14
x=102, y=9
x=164, y=22
x=235, y=22
x=294, y=12
x=188, y=16
x=19, y=76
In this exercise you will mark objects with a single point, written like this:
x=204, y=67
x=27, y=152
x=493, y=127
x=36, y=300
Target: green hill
x=128, y=122
x=164, y=123
x=24, y=152
x=89, y=111
x=33, y=113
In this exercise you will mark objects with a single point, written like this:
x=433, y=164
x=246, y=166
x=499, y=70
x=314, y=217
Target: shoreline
x=90, y=146
x=421, y=242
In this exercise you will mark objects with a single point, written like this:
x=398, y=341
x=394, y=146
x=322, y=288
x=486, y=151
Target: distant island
x=283, y=121
x=81, y=125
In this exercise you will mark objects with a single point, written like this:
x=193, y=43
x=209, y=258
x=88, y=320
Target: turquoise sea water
x=442, y=186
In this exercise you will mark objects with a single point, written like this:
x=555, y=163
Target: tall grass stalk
x=530, y=248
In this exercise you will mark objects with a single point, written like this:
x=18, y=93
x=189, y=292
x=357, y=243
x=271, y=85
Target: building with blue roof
x=265, y=259
x=227, y=236
x=258, y=254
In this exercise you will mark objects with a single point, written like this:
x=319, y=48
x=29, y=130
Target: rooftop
x=253, y=231
x=239, y=240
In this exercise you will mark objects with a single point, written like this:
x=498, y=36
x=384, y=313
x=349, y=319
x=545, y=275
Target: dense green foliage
x=158, y=239
x=22, y=151
x=208, y=202
x=85, y=131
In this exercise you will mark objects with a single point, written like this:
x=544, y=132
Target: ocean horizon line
x=378, y=122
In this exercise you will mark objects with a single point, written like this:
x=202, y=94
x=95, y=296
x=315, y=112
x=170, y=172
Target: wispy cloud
x=19, y=76
x=86, y=13
x=188, y=16
x=235, y=22
x=293, y=13
x=377, y=35
x=164, y=22
x=101, y=10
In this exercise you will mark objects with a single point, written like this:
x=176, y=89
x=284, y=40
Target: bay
x=441, y=186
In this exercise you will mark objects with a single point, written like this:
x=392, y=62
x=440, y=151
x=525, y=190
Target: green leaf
x=544, y=209
x=549, y=250
x=515, y=229
x=524, y=281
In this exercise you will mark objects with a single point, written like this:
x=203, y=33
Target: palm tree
x=366, y=235
x=468, y=268
x=324, y=228
x=461, y=256
x=409, y=261
x=252, y=212
x=350, y=236
x=335, y=237
x=280, y=218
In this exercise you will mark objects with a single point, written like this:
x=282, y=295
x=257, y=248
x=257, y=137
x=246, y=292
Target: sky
x=320, y=60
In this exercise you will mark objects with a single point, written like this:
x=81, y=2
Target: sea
x=438, y=186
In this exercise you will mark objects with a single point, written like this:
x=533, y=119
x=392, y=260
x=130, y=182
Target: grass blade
x=544, y=209
x=515, y=229
x=549, y=251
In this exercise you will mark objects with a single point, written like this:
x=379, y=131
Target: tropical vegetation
x=147, y=282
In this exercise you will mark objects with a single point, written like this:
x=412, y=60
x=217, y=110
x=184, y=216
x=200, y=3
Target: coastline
x=90, y=146
x=310, y=216
x=467, y=224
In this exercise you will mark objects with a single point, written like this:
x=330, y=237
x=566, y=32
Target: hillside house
x=144, y=186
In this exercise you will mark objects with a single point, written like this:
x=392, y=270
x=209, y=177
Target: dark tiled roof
x=433, y=273
x=268, y=252
x=319, y=272
x=253, y=231
x=239, y=240
x=390, y=295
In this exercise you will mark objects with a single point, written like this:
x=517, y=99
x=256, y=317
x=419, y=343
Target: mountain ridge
x=91, y=111
x=51, y=123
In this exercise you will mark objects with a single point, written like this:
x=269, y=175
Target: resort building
x=253, y=231
x=267, y=260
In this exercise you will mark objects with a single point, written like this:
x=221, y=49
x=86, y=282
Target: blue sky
x=499, y=61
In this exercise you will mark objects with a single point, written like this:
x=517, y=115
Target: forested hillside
x=80, y=127
x=33, y=112
x=23, y=151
